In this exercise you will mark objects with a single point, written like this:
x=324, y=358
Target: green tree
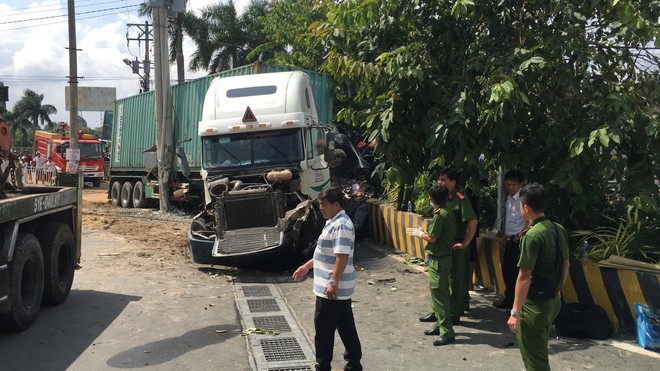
x=563, y=90
x=223, y=38
x=31, y=108
x=287, y=38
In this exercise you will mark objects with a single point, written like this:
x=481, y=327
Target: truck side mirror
x=329, y=150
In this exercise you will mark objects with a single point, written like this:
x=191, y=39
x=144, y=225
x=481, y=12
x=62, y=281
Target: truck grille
x=247, y=241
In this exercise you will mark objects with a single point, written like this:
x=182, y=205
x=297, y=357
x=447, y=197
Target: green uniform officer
x=440, y=239
x=531, y=318
x=466, y=226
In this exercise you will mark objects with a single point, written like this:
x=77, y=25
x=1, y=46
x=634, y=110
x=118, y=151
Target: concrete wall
x=613, y=289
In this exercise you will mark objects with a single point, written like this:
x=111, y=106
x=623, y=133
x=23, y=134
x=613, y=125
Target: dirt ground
x=159, y=236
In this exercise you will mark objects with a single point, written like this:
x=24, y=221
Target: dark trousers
x=331, y=315
x=510, y=267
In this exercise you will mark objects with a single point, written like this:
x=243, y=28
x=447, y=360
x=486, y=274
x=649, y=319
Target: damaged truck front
x=265, y=157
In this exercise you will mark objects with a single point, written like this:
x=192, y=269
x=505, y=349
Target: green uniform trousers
x=459, y=280
x=533, y=331
x=439, y=270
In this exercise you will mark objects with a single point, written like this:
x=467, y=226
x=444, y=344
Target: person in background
x=440, y=238
x=514, y=226
x=543, y=264
x=334, y=283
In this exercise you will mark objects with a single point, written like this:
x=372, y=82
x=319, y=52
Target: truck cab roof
x=257, y=102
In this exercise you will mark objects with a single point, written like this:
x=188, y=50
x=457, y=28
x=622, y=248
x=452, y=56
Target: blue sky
x=34, y=38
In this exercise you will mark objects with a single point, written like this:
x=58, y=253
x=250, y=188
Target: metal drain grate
x=282, y=349
x=278, y=323
x=302, y=368
x=263, y=305
x=256, y=291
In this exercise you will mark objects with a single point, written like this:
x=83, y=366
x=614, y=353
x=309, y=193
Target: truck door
x=315, y=176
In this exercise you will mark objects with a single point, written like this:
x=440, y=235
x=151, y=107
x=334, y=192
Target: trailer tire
x=26, y=280
x=139, y=197
x=115, y=193
x=127, y=195
x=59, y=250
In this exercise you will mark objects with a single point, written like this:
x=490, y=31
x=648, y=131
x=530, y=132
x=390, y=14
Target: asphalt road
x=133, y=311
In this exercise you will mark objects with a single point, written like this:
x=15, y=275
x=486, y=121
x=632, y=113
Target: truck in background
x=40, y=246
x=54, y=144
x=133, y=175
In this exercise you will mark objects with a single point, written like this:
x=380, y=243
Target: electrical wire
x=62, y=6
x=64, y=15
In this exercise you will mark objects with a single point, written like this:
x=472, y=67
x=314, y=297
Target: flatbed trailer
x=40, y=245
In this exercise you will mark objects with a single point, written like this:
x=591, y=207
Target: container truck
x=133, y=175
x=40, y=243
x=257, y=154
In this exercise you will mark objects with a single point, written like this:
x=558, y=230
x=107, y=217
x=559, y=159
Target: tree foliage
x=285, y=28
x=566, y=91
x=31, y=109
x=223, y=38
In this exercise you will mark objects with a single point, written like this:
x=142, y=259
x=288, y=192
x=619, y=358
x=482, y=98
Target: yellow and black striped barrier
x=614, y=289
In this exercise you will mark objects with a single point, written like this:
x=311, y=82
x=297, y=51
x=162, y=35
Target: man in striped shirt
x=334, y=282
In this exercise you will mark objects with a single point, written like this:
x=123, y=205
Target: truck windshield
x=254, y=149
x=88, y=151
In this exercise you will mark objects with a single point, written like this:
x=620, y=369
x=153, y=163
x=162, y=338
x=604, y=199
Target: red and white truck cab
x=55, y=144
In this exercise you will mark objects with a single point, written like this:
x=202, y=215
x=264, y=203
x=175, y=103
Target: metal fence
x=35, y=176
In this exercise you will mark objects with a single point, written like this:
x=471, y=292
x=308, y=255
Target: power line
x=60, y=6
x=49, y=5
x=58, y=22
x=64, y=15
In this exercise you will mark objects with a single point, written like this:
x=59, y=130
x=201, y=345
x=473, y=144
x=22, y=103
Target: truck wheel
x=115, y=193
x=127, y=195
x=96, y=182
x=26, y=282
x=59, y=251
x=139, y=198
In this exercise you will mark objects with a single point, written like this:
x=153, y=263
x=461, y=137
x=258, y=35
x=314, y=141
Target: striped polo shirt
x=337, y=237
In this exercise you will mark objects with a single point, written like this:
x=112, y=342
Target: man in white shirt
x=334, y=283
x=514, y=226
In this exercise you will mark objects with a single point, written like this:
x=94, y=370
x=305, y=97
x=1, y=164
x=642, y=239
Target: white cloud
x=34, y=54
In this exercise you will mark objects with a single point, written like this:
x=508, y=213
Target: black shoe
x=505, y=303
x=432, y=332
x=443, y=341
x=428, y=318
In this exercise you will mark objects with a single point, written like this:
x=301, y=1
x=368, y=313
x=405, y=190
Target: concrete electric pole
x=73, y=80
x=164, y=129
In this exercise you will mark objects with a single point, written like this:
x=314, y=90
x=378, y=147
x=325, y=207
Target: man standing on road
x=440, y=239
x=514, y=225
x=334, y=282
x=466, y=227
x=543, y=264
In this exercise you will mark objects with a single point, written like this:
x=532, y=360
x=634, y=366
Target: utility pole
x=144, y=35
x=73, y=81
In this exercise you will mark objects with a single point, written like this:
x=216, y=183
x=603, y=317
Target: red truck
x=55, y=144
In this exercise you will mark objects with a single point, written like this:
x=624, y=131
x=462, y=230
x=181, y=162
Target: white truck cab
x=264, y=158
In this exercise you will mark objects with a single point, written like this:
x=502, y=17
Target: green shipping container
x=134, y=126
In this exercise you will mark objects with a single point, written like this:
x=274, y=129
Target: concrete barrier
x=614, y=289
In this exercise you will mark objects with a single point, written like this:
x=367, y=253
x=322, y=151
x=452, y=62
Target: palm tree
x=31, y=108
x=223, y=38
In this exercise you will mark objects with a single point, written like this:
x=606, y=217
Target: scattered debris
x=220, y=331
x=415, y=261
x=260, y=331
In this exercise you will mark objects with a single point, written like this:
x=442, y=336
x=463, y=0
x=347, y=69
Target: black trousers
x=510, y=267
x=331, y=315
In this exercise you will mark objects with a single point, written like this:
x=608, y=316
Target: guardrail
x=614, y=289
